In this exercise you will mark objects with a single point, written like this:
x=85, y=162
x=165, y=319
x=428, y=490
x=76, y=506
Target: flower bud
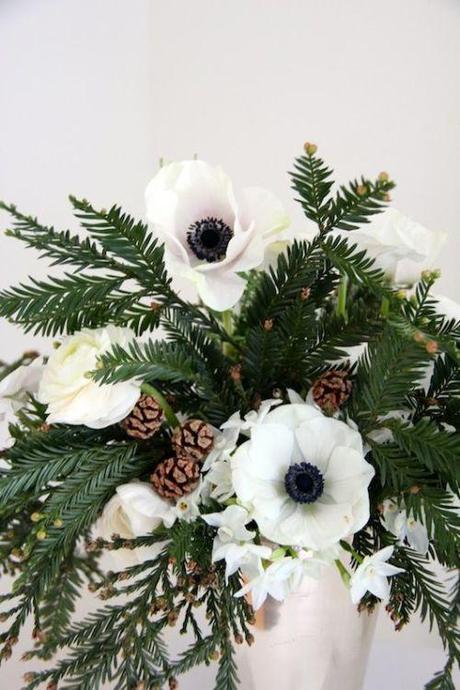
x=41, y=534
x=310, y=149
x=383, y=176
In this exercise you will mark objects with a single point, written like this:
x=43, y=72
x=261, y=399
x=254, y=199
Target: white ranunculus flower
x=372, y=576
x=405, y=527
x=400, y=246
x=303, y=477
x=14, y=390
x=211, y=234
x=74, y=398
x=135, y=510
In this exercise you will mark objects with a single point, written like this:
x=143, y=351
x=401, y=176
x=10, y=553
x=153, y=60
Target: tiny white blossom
x=405, y=527
x=372, y=576
x=218, y=483
x=230, y=524
x=233, y=541
x=274, y=581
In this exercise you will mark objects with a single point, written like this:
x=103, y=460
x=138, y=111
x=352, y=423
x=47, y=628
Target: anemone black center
x=304, y=482
x=208, y=238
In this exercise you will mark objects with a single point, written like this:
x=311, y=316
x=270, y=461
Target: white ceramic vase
x=315, y=640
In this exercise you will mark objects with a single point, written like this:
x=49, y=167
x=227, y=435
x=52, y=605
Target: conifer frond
x=354, y=263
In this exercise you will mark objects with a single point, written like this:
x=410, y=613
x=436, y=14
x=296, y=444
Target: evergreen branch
x=354, y=263
x=437, y=450
x=387, y=371
x=296, y=271
x=152, y=360
x=312, y=181
x=355, y=204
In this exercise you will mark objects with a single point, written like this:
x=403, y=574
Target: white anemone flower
x=372, y=576
x=303, y=477
x=405, y=527
x=210, y=233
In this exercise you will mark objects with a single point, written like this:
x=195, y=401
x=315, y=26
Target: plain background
x=93, y=92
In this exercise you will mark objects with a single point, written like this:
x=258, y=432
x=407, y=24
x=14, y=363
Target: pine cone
x=145, y=418
x=332, y=390
x=193, y=439
x=175, y=477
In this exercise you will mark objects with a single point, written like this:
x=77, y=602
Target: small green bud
x=36, y=517
x=41, y=534
x=310, y=149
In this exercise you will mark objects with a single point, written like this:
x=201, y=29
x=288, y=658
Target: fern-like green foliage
x=300, y=318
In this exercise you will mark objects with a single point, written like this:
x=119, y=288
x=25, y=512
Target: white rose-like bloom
x=303, y=477
x=14, y=390
x=400, y=246
x=372, y=576
x=210, y=233
x=134, y=511
x=71, y=396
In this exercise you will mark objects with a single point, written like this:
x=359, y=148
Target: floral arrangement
x=298, y=410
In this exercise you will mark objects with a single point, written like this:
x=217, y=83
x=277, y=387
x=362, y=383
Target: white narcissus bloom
x=277, y=580
x=211, y=234
x=135, y=510
x=233, y=541
x=372, y=576
x=74, y=398
x=303, y=477
x=400, y=246
x=405, y=527
x=14, y=390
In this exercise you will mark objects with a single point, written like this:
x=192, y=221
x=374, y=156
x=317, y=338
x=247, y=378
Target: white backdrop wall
x=93, y=92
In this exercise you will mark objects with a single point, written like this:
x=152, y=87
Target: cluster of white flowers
x=301, y=478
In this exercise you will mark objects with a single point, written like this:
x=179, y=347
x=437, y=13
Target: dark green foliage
x=291, y=327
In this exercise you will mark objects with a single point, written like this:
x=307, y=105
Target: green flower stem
x=348, y=547
x=342, y=298
x=385, y=307
x=163, y=403
x=344, y=574
x=227, y=322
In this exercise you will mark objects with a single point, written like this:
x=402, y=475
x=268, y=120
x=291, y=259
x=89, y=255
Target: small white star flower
x=233, y=541
x=405, y=527
x=372, y=576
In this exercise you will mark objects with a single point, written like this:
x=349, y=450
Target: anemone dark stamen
x=208, y=238
x=304, y=482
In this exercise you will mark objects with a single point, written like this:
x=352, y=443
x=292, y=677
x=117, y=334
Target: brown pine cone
x=175, y=477
x=332, y=390
x=145, y=419
x=193, y=439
